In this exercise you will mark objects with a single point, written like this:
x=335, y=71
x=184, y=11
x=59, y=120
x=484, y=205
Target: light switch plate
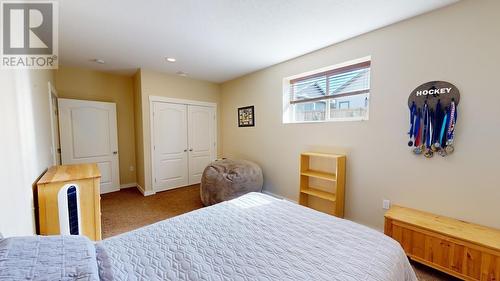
x=386, y=204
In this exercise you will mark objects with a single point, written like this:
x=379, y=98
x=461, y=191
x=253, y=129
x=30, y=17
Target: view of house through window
x=332, y=94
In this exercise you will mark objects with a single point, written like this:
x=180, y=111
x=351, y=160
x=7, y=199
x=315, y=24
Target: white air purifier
x=68, y=202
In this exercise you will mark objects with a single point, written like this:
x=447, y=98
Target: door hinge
x=155, y=179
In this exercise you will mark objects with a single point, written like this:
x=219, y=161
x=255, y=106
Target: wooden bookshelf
x=332, y=176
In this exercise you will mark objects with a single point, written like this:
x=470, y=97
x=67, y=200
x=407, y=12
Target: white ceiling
x=216, y=40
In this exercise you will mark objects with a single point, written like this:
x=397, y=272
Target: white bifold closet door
x=170, y=145
x=201, y=140
x=183, y=143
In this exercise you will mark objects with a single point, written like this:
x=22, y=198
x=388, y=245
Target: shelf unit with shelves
x=333, y=177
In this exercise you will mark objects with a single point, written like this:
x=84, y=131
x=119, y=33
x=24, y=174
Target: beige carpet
x=127, y=209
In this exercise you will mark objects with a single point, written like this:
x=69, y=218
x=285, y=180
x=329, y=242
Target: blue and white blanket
x=48, y=258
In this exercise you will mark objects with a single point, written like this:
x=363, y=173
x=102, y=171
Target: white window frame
x=289, y=109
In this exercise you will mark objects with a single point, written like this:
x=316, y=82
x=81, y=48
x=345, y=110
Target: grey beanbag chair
x=227, y=179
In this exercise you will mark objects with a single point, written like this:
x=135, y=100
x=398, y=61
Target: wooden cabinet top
x=473, y=233
x=70, y=172
x=325, y=155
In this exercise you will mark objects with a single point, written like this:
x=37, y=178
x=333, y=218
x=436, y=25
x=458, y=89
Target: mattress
x=255, y=237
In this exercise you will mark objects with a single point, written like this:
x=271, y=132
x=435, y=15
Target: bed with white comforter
x=255, y=237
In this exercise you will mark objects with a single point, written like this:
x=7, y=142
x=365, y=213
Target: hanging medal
x=413, y=111
x=423, y=129
x=442, y=151
x=438, y=115
x=426, y=132
x=428, y=142
x=425, y=119
x=451, y=128
x=418, y=133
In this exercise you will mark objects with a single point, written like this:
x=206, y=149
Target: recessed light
x=182, y=73
x=99, y=61
x=171, y=59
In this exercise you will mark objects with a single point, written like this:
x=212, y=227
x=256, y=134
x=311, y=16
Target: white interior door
x=88, y=134
x=201, y=140
x=170, y=160
x=54, y=121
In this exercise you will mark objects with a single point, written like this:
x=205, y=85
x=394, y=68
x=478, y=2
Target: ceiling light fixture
x=99, y=61
x=182, y=73
x=171, y=59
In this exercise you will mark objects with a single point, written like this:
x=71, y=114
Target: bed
x=253, y=237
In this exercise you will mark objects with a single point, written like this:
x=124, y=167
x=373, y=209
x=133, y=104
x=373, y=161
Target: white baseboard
x=122, y=186
x=279, y=196
x=128, y=185
x=109, y=191
x=145, y=192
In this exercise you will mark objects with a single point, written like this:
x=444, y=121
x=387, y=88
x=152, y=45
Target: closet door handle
x=190, y=149
x=185, y=150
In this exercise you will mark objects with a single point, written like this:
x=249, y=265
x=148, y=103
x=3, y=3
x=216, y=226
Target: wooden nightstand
x=87, y=177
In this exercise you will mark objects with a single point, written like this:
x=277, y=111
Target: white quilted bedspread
x=256, y=237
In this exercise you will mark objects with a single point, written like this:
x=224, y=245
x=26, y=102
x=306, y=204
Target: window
x=336, y=93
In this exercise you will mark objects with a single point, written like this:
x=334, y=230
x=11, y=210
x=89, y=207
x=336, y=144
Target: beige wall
x=459, y=44
x=84, y=84
x=172, y=86
x=26, y=143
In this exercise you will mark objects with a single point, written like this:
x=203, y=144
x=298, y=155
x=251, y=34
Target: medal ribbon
x=413, y=111
x=451, y=126
x=438, y=118
x=443, y=127
x=417, y=130
x=429, y=132
x=426, y=125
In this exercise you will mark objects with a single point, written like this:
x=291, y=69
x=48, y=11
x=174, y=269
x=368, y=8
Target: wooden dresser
x=465, y=250
x=87, y=177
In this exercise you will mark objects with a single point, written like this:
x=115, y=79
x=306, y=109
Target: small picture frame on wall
x=246, y=116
